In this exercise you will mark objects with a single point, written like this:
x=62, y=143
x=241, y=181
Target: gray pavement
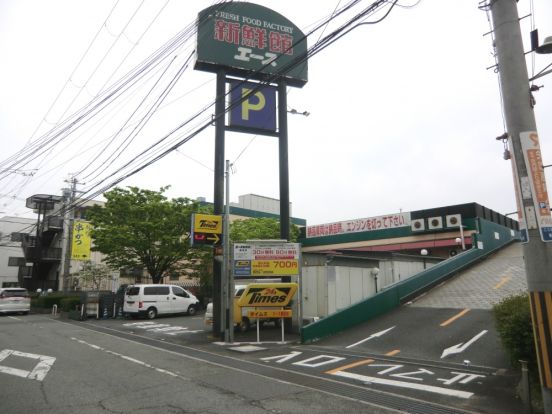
x=481, y=286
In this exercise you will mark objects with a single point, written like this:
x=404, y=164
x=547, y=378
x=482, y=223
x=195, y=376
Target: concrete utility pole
x=68, y=216
x=520, y=121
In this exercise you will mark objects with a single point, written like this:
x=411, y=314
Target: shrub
x=513, y=322
x=69, y=303
x=62, y=301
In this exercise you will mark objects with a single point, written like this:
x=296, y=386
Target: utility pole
x=68, y=216
x=521, y=125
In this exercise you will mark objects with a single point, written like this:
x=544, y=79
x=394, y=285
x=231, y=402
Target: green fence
x=490, y=237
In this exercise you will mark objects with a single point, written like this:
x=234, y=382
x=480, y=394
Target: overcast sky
x=403, y=114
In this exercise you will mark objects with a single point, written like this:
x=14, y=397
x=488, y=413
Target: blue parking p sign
x=253, y=107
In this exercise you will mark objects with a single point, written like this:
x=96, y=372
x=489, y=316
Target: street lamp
x=296, y=112
x=375, y=271
x=424, y=253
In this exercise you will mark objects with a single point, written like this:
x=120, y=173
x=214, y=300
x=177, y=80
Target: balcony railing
x=53, y=223
x=42, y=254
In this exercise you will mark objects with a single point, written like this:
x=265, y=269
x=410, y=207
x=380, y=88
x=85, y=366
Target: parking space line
x=451, y=320
x=502, y=282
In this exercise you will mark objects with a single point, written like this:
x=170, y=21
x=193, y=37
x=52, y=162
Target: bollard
x=525, y=390
x=54, y=310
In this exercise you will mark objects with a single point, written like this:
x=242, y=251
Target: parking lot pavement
x=191, y=330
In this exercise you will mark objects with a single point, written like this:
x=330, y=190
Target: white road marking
x=39, y=371
x=403, y=384
x=322, y=360
x=375, y=335
x=461, y=377
x=162, y=328
x=127, y=358
x=282, y=358
x=461, y=347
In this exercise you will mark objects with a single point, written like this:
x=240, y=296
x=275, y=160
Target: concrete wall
x=327, y=289
x=9, y=225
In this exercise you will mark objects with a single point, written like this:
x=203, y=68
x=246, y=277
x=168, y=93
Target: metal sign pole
x=229, y=297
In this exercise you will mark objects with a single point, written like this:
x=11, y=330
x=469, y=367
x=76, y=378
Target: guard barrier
x=489, y=238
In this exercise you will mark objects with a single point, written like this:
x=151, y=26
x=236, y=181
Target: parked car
x=15, y=300
x=152, y=300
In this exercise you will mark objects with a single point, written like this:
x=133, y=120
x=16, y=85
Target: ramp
x=489, y=238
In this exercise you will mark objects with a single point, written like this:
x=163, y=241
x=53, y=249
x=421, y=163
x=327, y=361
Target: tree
x=142, y=228
x=93, y=275
x=259, y=228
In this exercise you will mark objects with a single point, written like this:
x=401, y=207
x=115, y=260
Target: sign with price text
x=266, y=260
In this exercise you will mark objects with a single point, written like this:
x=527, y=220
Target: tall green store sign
x=251, y=41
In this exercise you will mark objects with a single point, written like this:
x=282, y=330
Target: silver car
x=15, y=300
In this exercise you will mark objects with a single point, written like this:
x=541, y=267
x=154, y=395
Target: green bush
x=69, y=303
x=513, y=322
x=63, y=302
x=46, y=301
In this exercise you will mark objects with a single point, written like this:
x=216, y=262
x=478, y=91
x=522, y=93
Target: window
x=156, y=290
x=14, y=293
x=16, y=261
x=133, y=291
x=178, y=291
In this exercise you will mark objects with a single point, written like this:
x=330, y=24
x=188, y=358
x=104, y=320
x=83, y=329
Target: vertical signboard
x=81, y=243
x=253, y=107
x=524, y=235
x=533, y=161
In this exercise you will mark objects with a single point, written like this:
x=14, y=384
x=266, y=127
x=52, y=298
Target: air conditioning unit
x=454, y=220
x=435, y=223
x=418, y=225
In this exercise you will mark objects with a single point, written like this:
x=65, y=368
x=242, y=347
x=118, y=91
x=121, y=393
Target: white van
x=14, y=300
x=153, y=300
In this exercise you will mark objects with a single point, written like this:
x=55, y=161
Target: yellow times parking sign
x=268, y=294
x=207, y=223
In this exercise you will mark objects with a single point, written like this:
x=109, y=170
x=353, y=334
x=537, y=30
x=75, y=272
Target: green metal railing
x=490, y=238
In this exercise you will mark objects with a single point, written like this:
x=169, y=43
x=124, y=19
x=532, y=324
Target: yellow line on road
x=458, y=315
x=354, y=364
x=502, y=282
x=359, y=363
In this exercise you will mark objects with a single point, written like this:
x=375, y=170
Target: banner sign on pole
x=524, y=234
x=533, y=161
x=80, y=245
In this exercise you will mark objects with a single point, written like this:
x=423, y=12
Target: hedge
x=515, y=329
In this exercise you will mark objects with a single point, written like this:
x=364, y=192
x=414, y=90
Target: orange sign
x=533, y=161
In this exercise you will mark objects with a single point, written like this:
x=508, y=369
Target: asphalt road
x=50, y=365
x=439, y=354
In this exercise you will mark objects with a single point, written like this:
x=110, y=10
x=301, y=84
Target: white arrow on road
x=461, y=347
x=375, y=335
